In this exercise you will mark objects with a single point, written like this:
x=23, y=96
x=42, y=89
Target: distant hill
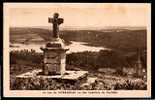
x=93, y=28
x=117, y=38
x=26, y=35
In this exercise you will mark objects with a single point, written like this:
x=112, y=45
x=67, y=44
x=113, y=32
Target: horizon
x=83, y=28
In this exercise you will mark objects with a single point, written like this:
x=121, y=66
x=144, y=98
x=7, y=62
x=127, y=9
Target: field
x=123, y=43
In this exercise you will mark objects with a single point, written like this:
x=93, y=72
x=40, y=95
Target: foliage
x=51, y=84
x=90, y=61
x=25, y=57
x=41, y=84
x=108, y=59
x=24, y=60
x=131, y=85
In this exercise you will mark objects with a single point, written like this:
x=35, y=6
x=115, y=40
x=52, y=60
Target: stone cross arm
x=59, y=20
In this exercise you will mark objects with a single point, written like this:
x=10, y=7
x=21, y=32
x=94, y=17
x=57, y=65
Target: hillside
x=119, y=39
x=26, y=35
x=106, y=65
x=123, y=43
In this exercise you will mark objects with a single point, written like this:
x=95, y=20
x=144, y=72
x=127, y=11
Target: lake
x=73, y=47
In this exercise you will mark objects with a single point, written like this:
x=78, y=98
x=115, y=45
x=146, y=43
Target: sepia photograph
x=77, y=49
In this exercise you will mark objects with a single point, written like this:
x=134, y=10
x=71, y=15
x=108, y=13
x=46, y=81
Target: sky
x=81, y=15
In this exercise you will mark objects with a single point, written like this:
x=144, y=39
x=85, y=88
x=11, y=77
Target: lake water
x=73, y=47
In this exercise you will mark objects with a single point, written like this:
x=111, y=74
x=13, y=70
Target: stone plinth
x=69, y=75
x=54, y=57
x=33, y=80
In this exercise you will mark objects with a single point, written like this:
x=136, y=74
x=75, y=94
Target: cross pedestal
x=54, y=58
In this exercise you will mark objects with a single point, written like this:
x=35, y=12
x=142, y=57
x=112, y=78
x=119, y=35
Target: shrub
x=131, y=85
x=25, y=57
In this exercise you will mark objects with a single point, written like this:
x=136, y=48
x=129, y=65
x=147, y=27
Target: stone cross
x=56, y=22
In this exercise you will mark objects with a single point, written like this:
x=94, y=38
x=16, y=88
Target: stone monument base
x=69, y=75
x=35, y=80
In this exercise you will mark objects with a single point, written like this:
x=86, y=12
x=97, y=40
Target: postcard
x=77, y=50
